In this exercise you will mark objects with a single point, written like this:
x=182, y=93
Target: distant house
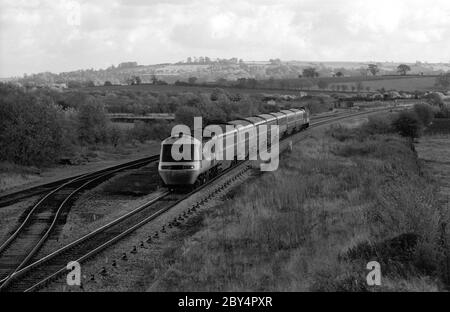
x=58, y=86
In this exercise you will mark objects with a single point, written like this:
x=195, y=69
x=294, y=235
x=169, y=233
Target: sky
x=65, y=35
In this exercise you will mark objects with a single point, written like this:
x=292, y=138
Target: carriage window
x=167, y=152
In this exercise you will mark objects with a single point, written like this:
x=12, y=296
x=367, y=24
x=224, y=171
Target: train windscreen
x=167, y=152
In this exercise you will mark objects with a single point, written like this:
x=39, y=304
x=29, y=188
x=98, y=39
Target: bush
x=31, y=131
x=92, y=122
x=342, y=133
x=444, y=112
x=157, y=130
x=378, y=124
x=424, y=112
x=408, y=124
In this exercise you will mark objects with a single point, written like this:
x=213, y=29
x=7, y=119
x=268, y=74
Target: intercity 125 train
x=196, y=169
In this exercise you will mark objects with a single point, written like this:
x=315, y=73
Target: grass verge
x=337, y=202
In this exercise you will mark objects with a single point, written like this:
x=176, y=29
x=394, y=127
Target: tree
x=310, y=72
x=31, y=127
x=339, y=74
x=74, y=84
x=107, y=83
x=443, y=81
x=127, y=65
x=368, y=88
x=252, y=83
x=92, y=122
x=408, y=124
x=322, y=84
x=402, y=69
x=134, y=80
x=353, y=88
x=424, y=112
x=192, y=80
x=363, y=71
x=242, y=82
x=344, y=87
x=221, y=81
x=373, y=69
x=359, y=86
x=185, y=115
x=216, y=93
x=89, y=83
x=115, y=135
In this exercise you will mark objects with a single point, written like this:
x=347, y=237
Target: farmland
x=409, y=84
x=293, y=86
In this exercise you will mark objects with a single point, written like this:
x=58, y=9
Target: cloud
x=38, y=35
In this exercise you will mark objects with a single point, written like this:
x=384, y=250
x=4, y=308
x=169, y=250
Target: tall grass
x=336, y=203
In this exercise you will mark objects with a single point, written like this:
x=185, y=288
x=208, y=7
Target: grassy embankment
x=337, y=201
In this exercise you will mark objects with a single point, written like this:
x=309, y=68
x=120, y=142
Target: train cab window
x=167, y=152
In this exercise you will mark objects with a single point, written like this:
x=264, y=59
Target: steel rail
x=91, y=178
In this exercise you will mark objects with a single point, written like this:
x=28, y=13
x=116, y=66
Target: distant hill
x=219, y=70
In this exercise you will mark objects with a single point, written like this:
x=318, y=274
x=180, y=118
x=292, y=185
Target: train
x=195, y=169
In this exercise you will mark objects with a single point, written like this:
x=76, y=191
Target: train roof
x=226, y=129
x=241, y=122
x=301, y=109
x=278, y=114
x=255, y=120
x=183, y=139
x=267, y=117
x=287, y=112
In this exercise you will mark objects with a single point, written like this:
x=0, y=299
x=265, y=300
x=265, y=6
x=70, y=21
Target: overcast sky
x=65, y=35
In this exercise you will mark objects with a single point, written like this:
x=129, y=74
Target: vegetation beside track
x=337, y=201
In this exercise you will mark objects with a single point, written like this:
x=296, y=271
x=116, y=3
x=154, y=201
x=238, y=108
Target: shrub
x=424, y=112
x=92, y=122
x=408, y=124
x=378, y=124
x=342, y=133
x=444, y=112
x=31, y=131
x=158, y=130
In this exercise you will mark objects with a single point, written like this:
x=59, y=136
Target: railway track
x=40, y=272
x=43, y=217
x=13, y=197
x=45, y=269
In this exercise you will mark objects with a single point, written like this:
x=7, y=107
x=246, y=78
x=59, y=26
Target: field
x=409, y=84
x=440, y=125
x=336, y=203
x=182, y=89
x=399, y=83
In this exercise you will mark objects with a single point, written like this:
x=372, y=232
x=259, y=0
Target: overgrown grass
x=335, y=203
x=12, y=175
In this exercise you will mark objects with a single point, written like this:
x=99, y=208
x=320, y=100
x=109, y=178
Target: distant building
x=58, y=86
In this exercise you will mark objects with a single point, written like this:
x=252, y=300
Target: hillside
x=229, y=70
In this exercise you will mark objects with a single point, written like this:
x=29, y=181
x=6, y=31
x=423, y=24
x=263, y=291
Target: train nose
x=178, y=177
x=178, y=174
